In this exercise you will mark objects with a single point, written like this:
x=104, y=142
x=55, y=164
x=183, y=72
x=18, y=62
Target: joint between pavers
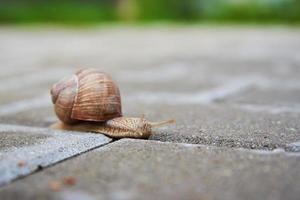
x=39, y=168
x=39, y=156
x=283, y=150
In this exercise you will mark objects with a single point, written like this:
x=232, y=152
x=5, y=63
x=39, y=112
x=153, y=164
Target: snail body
x=121, y=127
x=90, y=101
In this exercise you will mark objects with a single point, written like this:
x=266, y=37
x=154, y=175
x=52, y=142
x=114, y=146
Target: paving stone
x=221, y=125
x=218, y=124
x=257, y=51
x=276, y=97
x=29, y=85
x=139, y=169
x=24, y=150
x=223, y=90
x=39, y=115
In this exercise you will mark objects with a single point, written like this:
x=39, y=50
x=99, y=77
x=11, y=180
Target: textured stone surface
x=230, y=88
x=223, y=125
x=136, y=169
x=278, y=97
x=223, y=90
x=24, y=150
x=218, y=124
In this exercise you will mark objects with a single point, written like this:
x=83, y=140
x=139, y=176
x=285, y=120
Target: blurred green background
x=141, y=11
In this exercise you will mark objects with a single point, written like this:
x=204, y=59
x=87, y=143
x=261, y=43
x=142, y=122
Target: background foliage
x=95, y=11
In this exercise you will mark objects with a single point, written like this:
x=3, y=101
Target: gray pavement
x=224, y=125
x=235, y=90
x=25, y=149
x=137, y=169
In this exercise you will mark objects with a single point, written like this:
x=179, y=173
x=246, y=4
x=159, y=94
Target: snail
x=90, y=101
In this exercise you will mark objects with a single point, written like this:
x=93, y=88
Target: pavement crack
x=219, y=141
x=38, y=153
x=40, y=168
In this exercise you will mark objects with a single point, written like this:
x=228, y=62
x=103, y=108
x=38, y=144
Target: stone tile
x=39, y=115
x=270, y=52
x=277, y=97
x=26, y=149
x=29, y=85
x=218, y=124
x=223, y=90
x=221, y=125
x=139, y=169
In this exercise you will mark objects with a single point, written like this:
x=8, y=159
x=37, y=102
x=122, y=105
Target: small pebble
x=21, y=163
x=54, y=185
x=69, y=180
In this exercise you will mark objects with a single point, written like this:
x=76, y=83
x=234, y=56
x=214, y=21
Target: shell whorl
x=89, y=95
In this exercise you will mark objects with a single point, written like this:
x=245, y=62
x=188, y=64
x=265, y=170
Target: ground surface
x=234, y=92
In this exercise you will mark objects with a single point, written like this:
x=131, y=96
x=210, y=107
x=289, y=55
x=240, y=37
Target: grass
x=91, y=12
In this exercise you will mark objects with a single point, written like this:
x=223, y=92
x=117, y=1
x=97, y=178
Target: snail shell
x=89, y=95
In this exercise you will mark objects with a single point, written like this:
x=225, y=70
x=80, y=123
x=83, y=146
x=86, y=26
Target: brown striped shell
x=89, y=95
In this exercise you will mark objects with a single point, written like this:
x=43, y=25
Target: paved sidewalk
x=234, y=92
x=132, y=169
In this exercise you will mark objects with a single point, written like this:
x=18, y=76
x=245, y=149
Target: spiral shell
x=89, y=95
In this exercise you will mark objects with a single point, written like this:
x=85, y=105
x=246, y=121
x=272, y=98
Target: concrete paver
x=229, y=88
x=139, y=169
x=222, y=125
x=218, y=124
x=280, y=97
x=25, y=149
